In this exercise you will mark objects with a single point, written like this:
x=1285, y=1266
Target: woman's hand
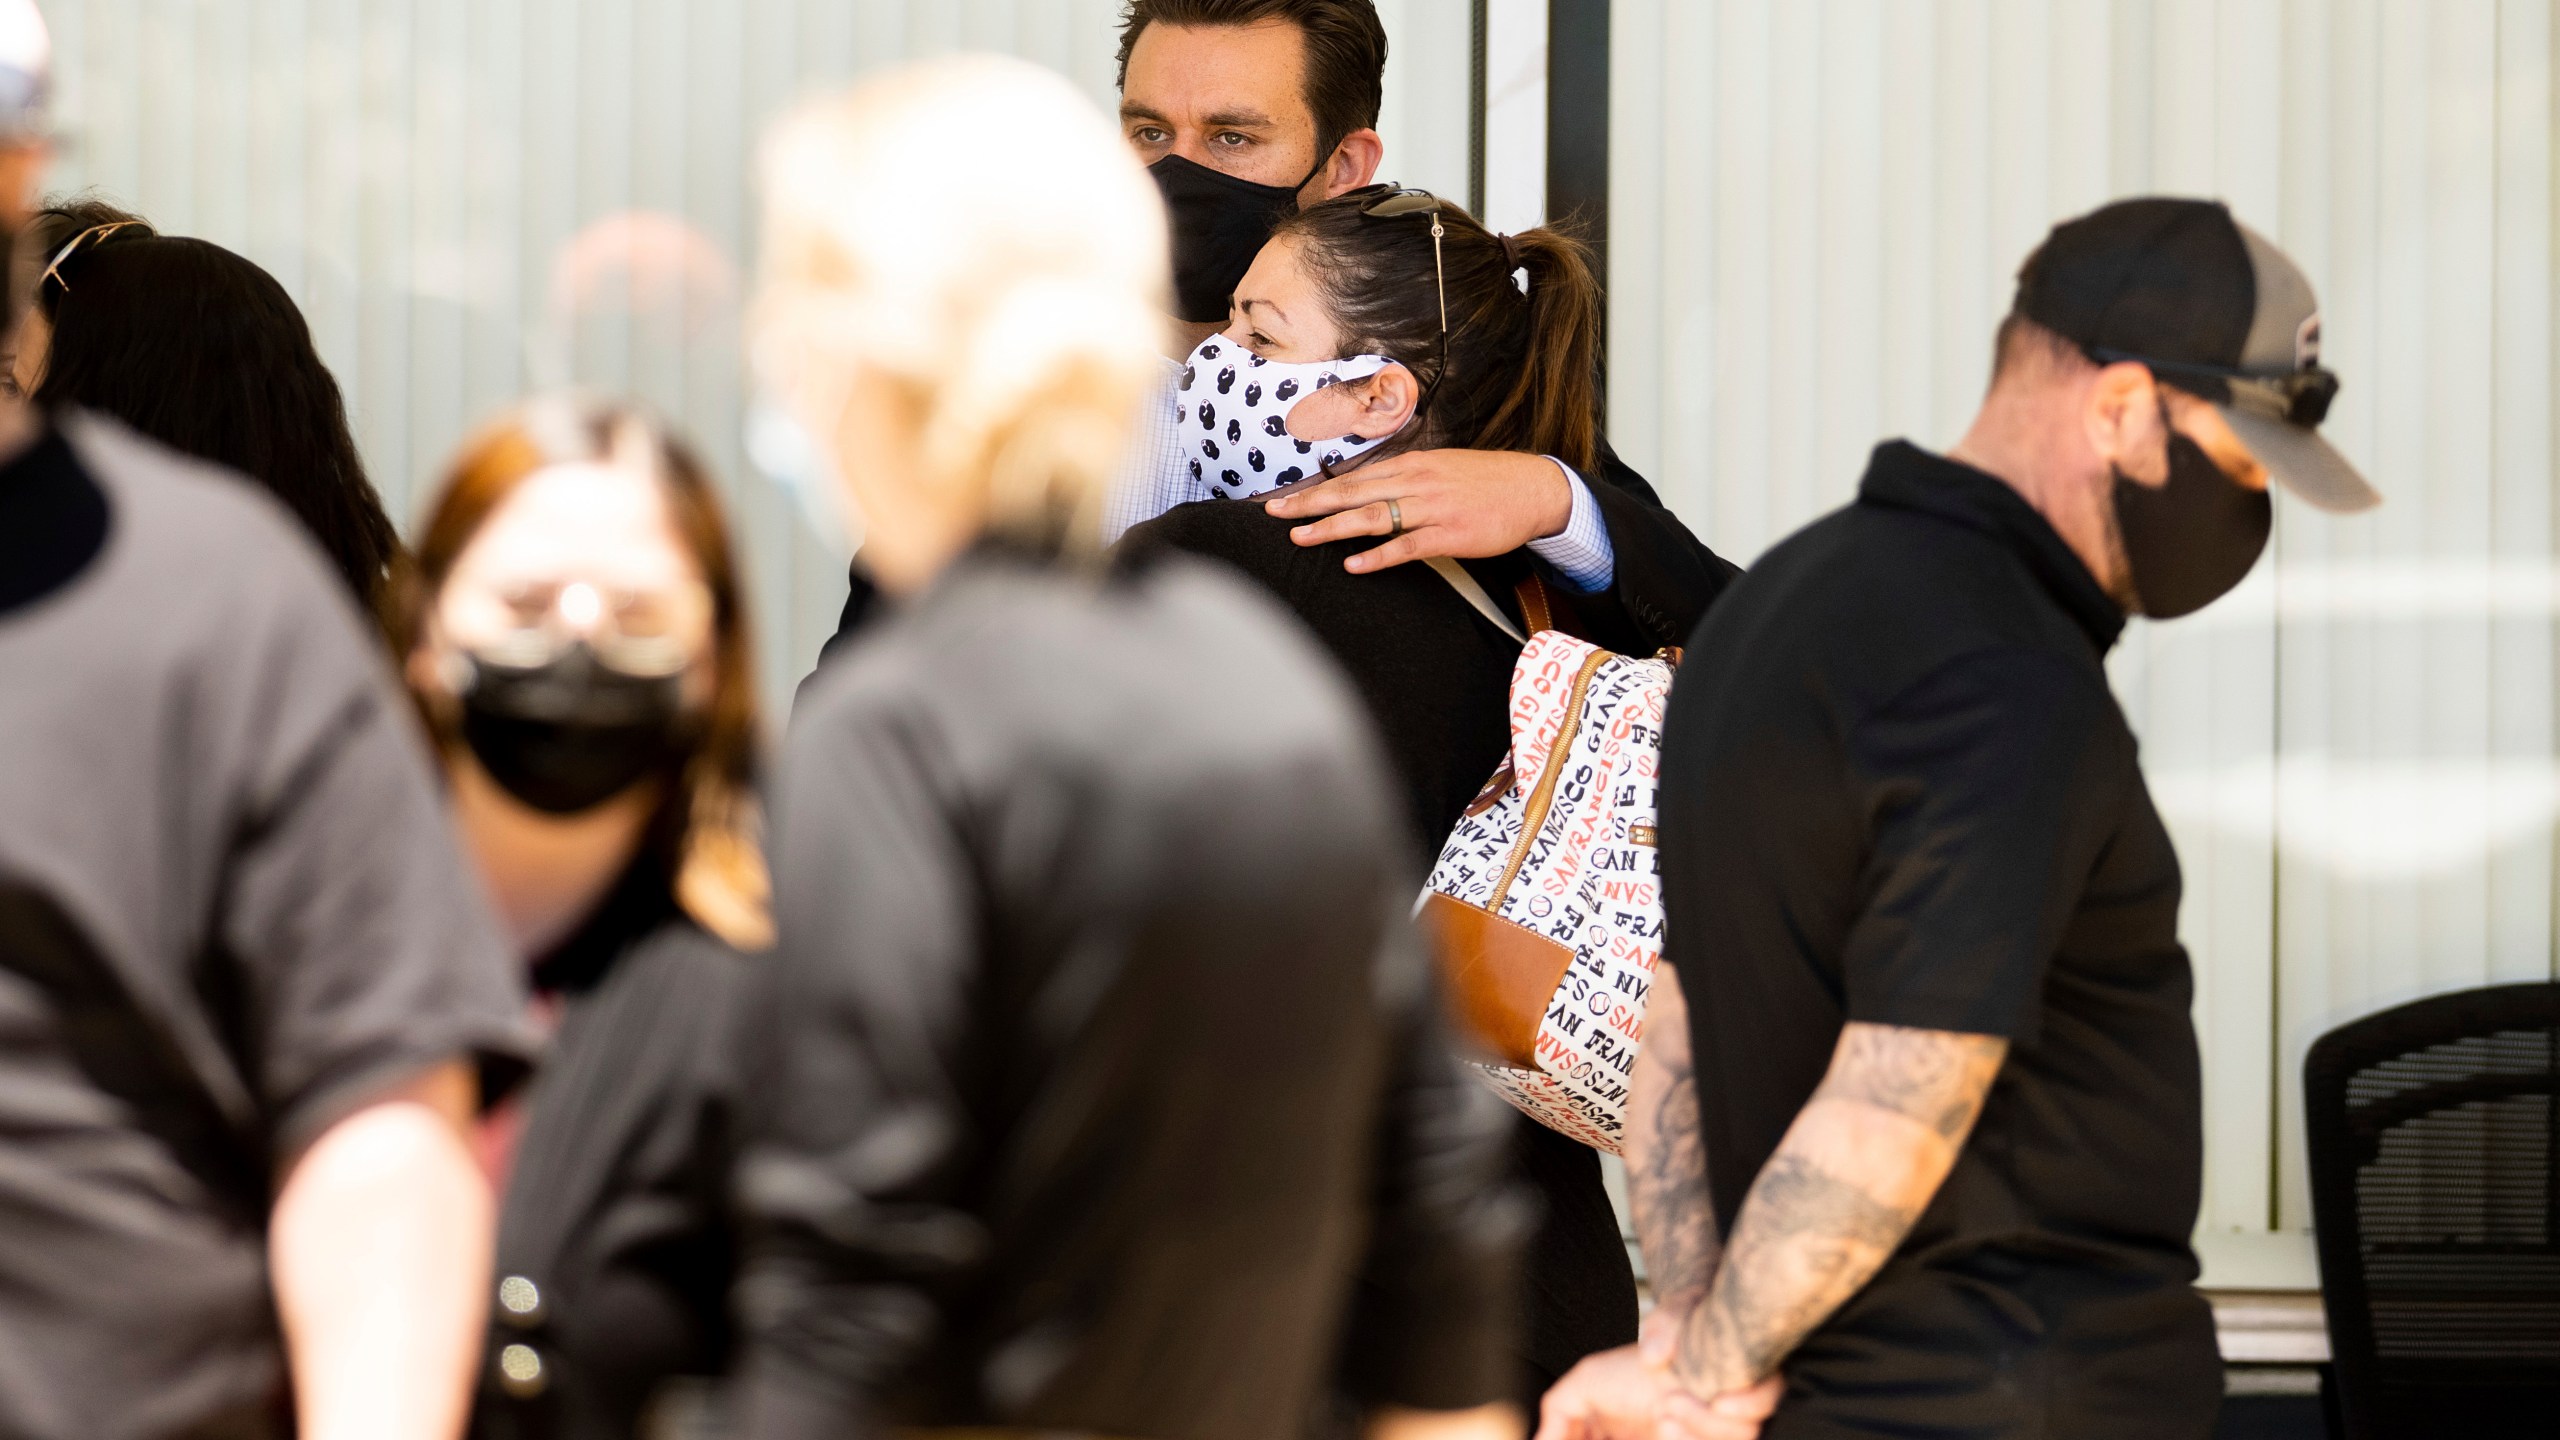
x=1464, y=504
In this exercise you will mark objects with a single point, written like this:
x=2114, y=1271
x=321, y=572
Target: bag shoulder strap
x=1532, y=593
x=1474, y=594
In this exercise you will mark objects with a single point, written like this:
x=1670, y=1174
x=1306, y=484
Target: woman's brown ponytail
x=1551, y=404
x=1523, y=370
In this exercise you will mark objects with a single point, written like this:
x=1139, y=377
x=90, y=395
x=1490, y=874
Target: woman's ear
x=1372, y=408
x=425, y=668
x=436, y=675
x=701, y=683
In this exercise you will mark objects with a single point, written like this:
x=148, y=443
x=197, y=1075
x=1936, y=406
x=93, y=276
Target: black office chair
x=2435, y=1186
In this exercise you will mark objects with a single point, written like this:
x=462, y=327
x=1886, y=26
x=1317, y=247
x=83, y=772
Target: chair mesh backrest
x=2435, y=1158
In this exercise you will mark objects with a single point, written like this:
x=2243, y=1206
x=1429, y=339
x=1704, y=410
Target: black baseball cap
x=2213, y=309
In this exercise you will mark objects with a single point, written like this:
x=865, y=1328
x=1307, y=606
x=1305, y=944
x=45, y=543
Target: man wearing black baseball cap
x=1945, y=1108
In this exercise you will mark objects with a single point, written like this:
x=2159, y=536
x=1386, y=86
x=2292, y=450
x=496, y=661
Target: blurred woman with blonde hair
x=1097, y=1086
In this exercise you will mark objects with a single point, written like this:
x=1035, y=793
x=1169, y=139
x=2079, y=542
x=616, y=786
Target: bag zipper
x=1534, y=819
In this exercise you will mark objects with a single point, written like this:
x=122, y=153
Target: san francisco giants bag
x=1547, y=900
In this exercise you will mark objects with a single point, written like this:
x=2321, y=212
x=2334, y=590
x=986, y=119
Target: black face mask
x=1219, y=224
x=572, y=733
x=2189, y=541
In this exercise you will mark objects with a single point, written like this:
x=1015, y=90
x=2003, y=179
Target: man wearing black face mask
x=1246, y=110
x=1231, y=103
x=1945, y=1111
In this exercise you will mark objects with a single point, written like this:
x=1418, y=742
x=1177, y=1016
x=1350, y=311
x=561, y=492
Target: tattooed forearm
x=1666, y=1160
x=1802, y=1202
x=1937, y=1077
x=1806, y=1241
x=1854, y=1172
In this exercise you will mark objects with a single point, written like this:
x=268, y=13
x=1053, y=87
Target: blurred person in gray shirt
x=247, y=990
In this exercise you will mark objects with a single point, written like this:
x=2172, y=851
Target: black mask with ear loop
x=2189, y=541
x=1219, y=223
x=571, y=732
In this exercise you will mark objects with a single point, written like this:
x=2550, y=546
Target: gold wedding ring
x=1395, y=519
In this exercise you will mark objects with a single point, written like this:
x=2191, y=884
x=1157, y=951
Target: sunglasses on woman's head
x=1397, y=201
x=1394, y=202
x=53, y=271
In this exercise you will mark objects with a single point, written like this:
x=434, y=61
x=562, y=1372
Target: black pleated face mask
x=2190, y=541
x=573, y=732
x=1219, y=223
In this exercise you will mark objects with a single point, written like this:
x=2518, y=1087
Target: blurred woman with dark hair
x=577, y=642
x=204, y=352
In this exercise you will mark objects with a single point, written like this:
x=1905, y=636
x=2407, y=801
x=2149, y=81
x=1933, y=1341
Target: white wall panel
x=1819, y=207
x=1515, y=119
x=473, y=197
x=1424, y=117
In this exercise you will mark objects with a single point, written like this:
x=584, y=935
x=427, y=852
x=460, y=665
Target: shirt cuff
x=1155, y=477
x=1580, y=552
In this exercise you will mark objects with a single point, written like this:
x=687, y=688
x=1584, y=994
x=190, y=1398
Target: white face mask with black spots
x=1235, y=417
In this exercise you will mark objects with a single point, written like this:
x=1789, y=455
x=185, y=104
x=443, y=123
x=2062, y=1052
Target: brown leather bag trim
x=1496, y=976
x=1493, y=791
x=1534, y=609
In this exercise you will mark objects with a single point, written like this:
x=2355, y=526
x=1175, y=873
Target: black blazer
x=1666, y=577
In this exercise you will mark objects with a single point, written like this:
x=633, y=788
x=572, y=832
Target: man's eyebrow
x=1237, y=120
x=1132, y=110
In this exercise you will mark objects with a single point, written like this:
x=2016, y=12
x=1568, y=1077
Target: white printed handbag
x=1546, y=904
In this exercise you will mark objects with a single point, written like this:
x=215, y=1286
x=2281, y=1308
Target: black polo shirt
x=1897, y=789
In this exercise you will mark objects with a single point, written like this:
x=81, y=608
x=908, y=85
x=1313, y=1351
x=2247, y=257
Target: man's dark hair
x=1346, y=50
x=204, y=352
